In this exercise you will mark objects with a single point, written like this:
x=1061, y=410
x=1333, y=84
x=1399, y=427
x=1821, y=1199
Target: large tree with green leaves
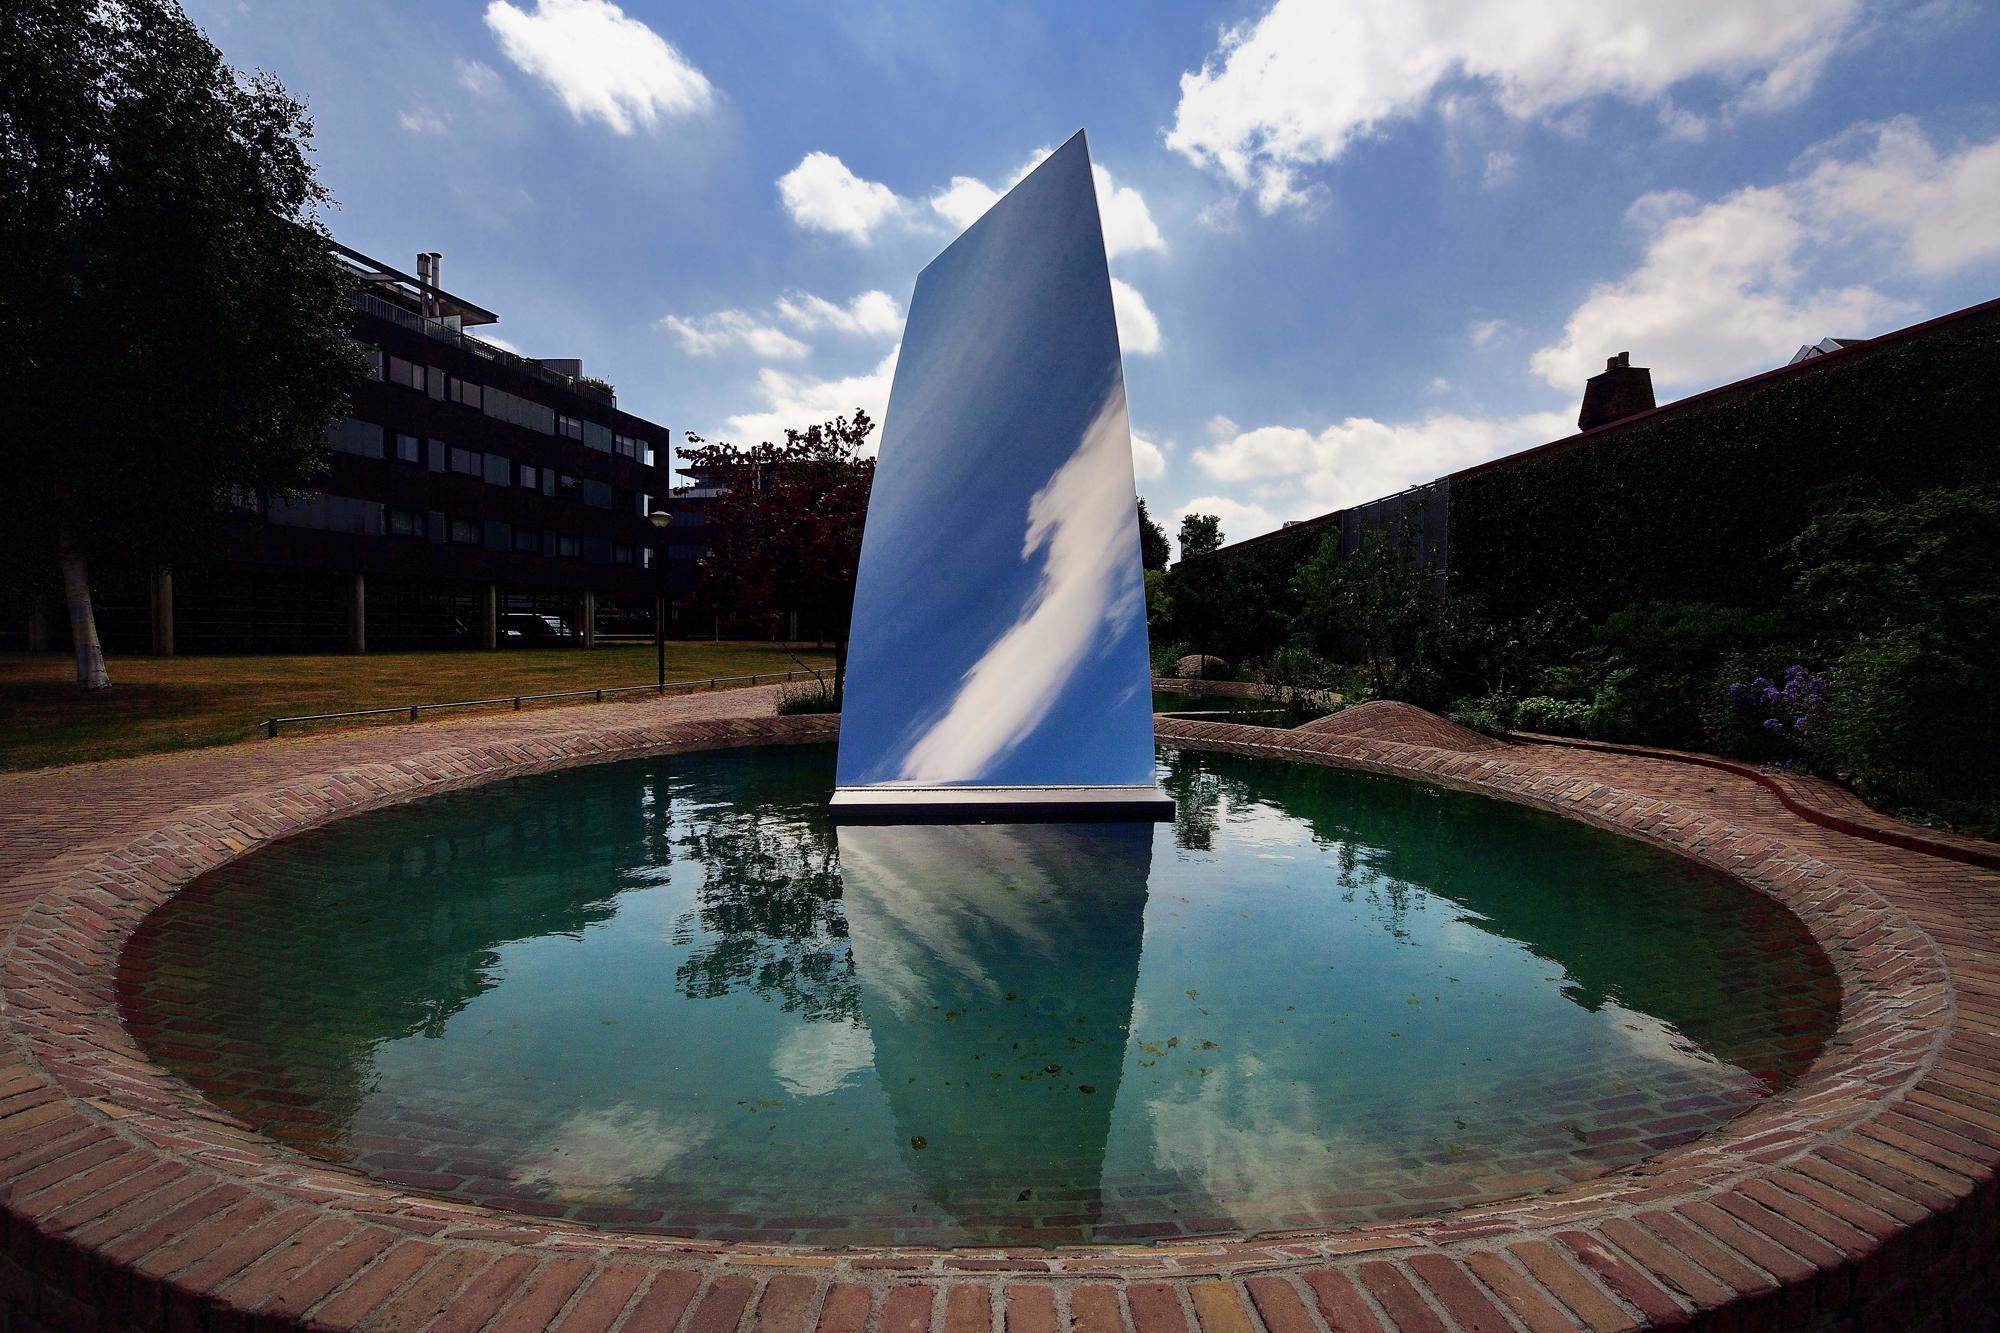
x=785, y=523
x=173, y=326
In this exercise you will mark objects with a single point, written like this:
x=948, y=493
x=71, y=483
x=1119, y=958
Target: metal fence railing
x=271, y=724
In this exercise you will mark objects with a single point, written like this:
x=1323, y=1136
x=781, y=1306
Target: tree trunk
x=90, y=673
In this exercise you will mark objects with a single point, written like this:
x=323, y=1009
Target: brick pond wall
x=1861, y=1197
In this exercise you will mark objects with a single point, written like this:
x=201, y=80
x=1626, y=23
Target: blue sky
x=1357, y=243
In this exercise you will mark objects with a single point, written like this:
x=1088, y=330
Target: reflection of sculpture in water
x=997, y=966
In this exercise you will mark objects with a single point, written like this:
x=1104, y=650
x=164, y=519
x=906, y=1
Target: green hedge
x=1695, y=507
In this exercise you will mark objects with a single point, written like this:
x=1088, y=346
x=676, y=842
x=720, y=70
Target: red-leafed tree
x=785, y=523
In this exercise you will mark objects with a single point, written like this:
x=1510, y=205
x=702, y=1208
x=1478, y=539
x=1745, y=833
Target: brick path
x=1864, y=1193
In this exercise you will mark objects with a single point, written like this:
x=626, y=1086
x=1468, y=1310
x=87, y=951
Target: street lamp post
x=660, y=518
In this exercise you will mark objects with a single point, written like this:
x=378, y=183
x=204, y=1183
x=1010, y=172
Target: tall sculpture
x=998, y=666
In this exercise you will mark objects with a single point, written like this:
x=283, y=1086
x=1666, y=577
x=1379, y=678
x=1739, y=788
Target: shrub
x=1912, y=725
x=1492, y=714
x=1553, y=717
x=817, y=697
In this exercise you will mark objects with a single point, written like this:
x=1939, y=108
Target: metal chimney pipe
x=437, y=283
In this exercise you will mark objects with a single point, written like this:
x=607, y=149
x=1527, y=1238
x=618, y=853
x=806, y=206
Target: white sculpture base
x=890, y=804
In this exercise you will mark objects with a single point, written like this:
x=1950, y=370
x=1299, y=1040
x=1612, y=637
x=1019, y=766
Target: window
x=499, y=470
x=405, y=523
x=373, y=356
x=548, y=481
x=621, y=554
x=465, y=531
x=349, y=436
x=568, y=487
x=597, y=550
x=628, y=446
x=528, y=540
x=436, y=528
x=406, y=373
x=328, y=513
x=438, y=453
x=597, y=437
x=568, y=547
x=462, y=391
x=569, y=427
x=499, y=537
x=409, y=449
x=468, y=461
x=504, y=406
x=530, y=478
x=597, y=494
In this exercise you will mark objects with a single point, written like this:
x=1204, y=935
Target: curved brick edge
x=1814, y=800
x=124, y=1189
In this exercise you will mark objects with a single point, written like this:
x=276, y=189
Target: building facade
x=475, y=498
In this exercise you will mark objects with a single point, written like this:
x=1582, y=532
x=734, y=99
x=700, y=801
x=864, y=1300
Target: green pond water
x=668, y=995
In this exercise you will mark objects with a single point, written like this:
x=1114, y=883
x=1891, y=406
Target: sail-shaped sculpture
x=998, y=665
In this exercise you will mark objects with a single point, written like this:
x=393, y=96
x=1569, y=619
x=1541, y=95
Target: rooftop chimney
x=1623, y=390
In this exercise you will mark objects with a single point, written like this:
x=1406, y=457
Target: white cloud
x=817, y=1058
x=964, y=201
x=1732, y=287
x=708, y=335
x=1484, y=331
x=1501, y=168
x=476, y=77
x=1289, y=472
x=1083, y=527
x=423, y=120
x=1298, y=86
x=1939, y=209
x=1138, y=330
x=1239, y=518
x=595, y=1150
x=1149, y=460
x=821, y=194
x=1128, y=223
x=871, y=314
x=602, y=64
x=799, y=401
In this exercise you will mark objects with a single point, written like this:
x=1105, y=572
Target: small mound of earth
x=1388, y=720
x=1194, y=665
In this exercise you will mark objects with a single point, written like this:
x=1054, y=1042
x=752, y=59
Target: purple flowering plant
x=1792, y=707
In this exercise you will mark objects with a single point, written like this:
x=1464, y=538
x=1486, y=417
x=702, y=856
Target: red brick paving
x=1861, y=1195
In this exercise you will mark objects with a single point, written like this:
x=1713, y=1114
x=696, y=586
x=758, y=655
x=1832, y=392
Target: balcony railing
x=370, y=304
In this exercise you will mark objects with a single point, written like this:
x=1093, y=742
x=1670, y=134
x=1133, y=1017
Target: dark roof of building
x=1846, y=349
x=404, y=289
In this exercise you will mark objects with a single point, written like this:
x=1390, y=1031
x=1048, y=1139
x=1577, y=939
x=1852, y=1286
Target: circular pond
x=667, y=995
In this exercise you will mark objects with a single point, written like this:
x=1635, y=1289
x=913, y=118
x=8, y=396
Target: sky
x=1354, y=244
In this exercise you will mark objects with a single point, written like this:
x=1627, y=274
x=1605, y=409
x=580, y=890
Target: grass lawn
x=181, y=703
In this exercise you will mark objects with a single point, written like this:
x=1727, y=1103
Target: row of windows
x=371, y=518
x=368, y=440
x=500, y=404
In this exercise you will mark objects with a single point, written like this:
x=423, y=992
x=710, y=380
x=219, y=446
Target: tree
x=1153, y=548
x=173, y=326
x=786, y=523
x=1201, y=534
x=1382, y=596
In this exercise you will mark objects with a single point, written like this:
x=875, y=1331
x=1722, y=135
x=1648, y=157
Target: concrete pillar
x=163, y=612
x=589, y=619
x=38, y=631
x=357, y=616
x=489, y=616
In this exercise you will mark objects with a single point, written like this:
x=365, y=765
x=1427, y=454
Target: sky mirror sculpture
x=998, y=665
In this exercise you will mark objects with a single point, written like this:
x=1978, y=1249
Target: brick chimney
x=1623, y=390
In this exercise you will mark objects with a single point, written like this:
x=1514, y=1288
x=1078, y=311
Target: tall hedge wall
x=1697, y=505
